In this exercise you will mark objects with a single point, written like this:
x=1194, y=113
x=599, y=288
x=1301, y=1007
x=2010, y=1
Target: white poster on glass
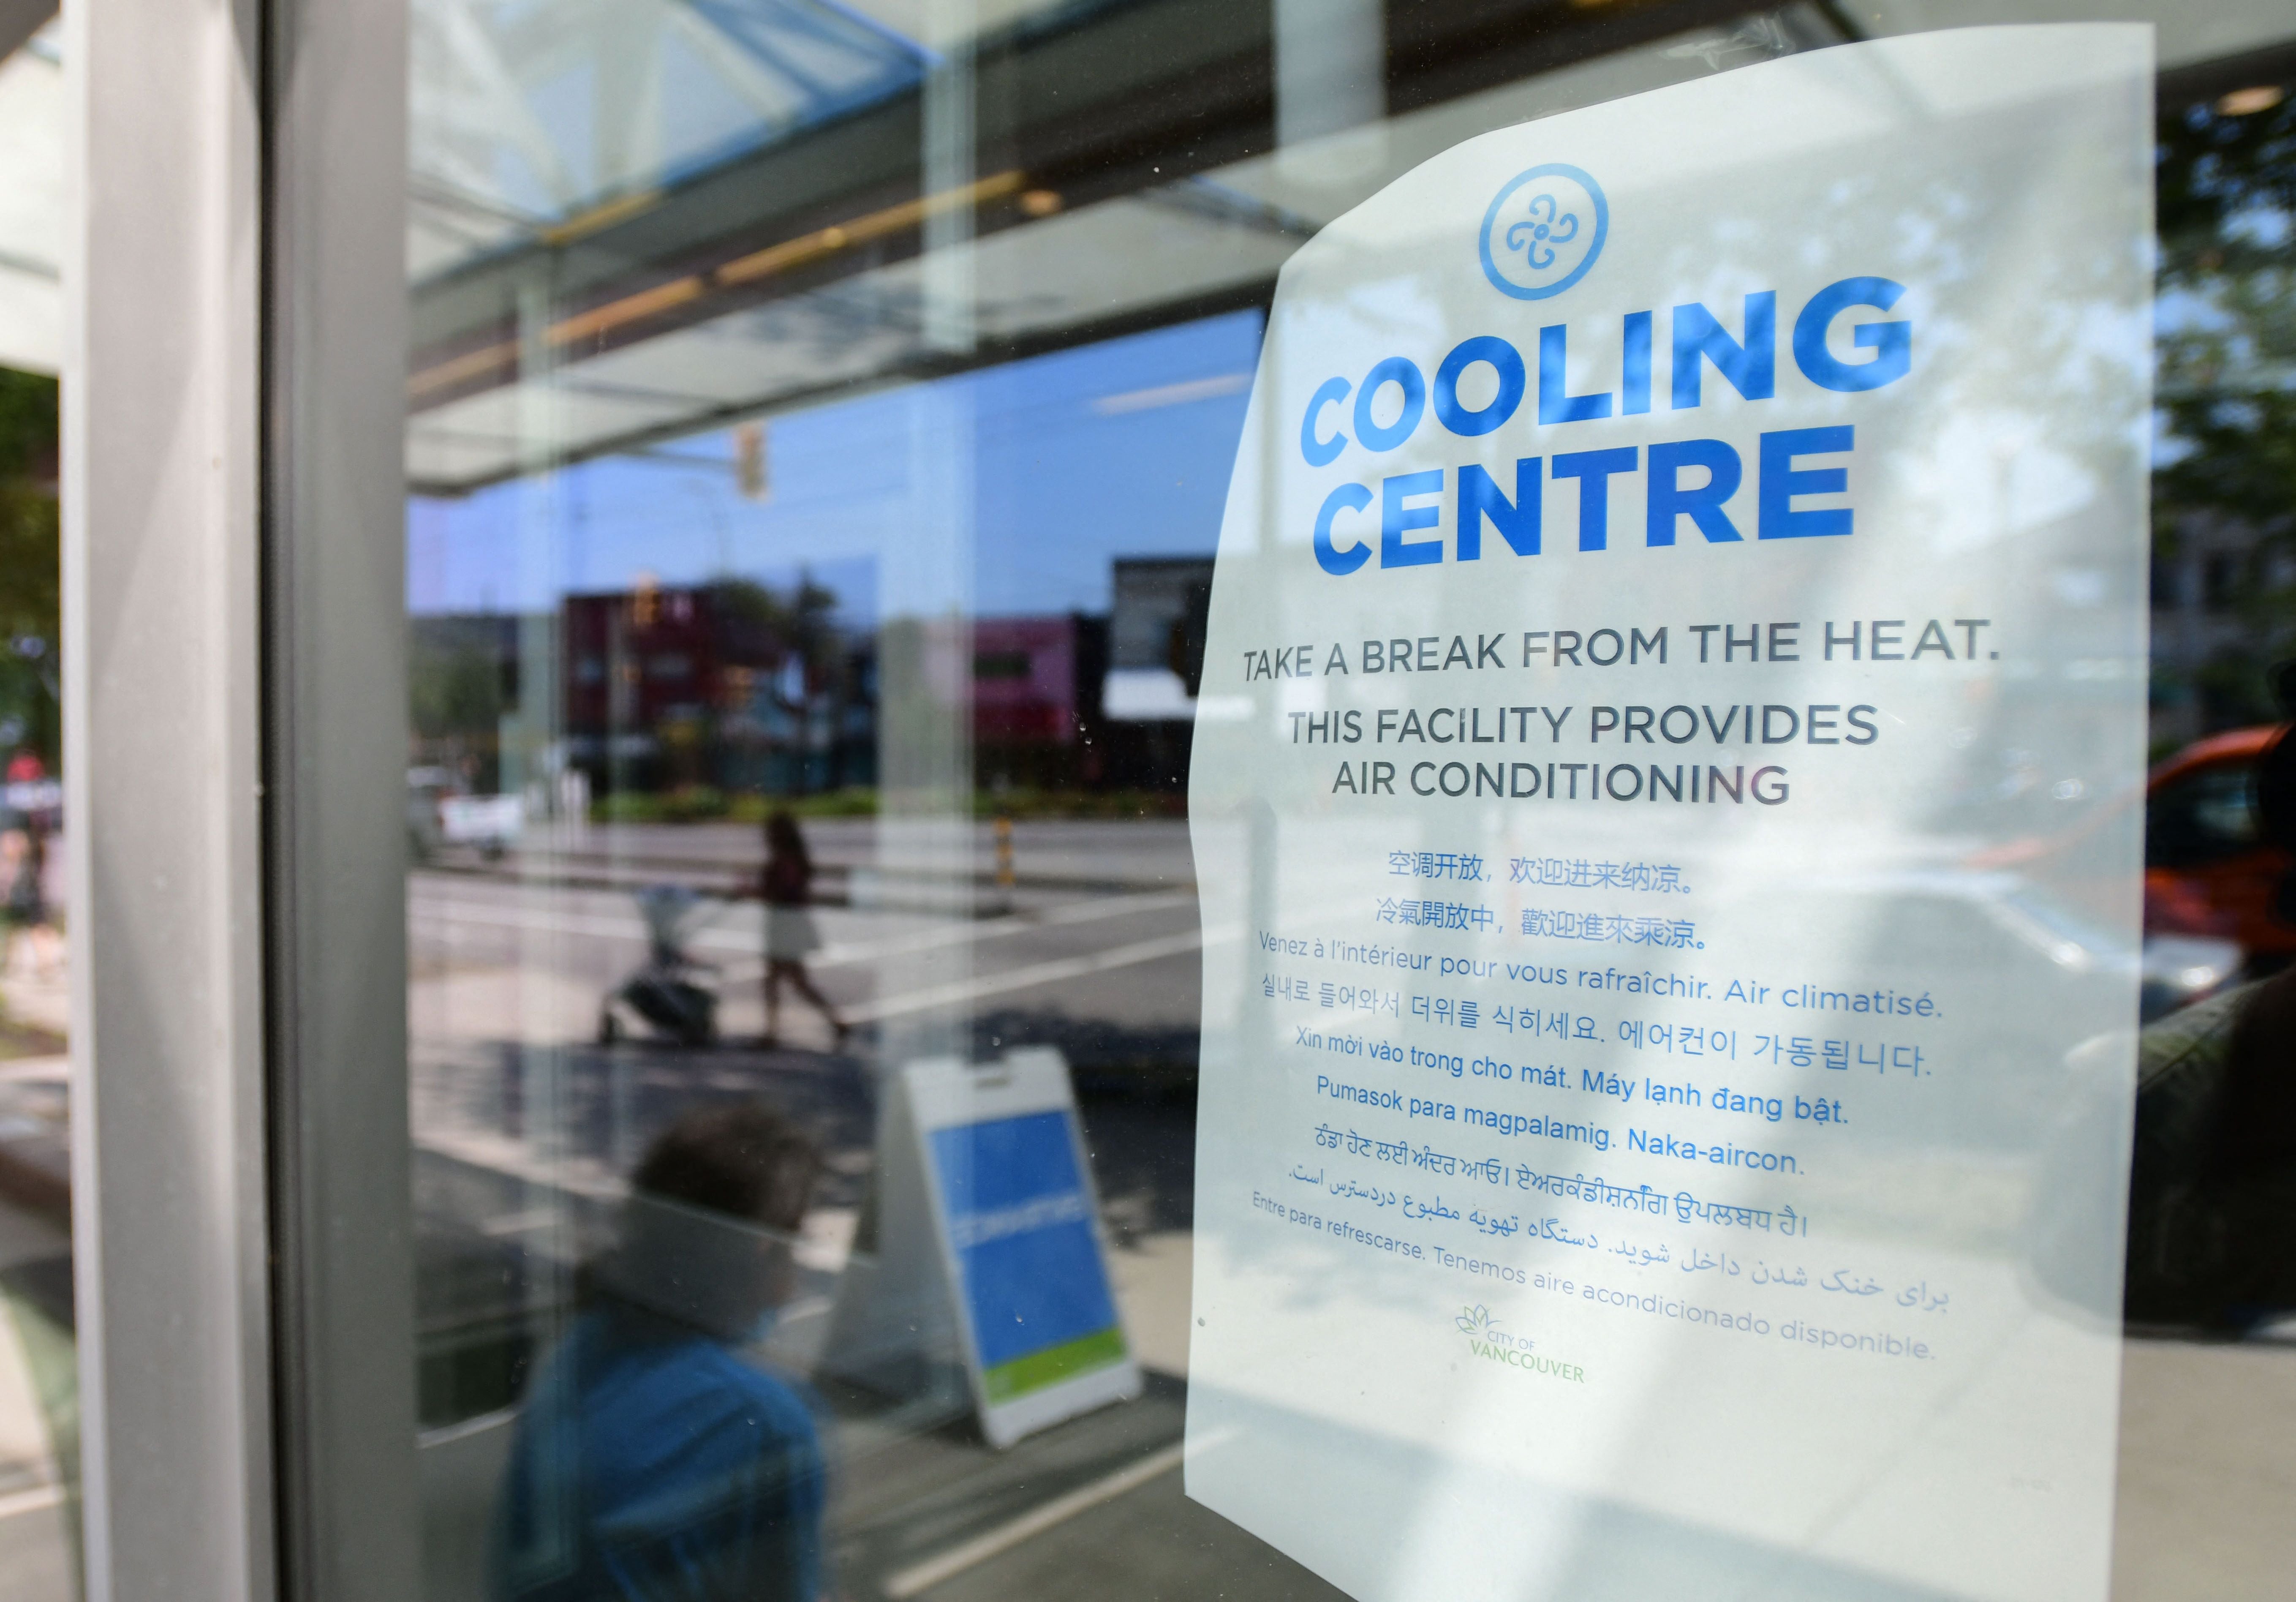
x=1672, y=903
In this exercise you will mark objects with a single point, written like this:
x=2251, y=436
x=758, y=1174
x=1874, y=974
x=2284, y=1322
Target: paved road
x=498, y=959
x=512, y=966
x=1099, y=854
x=525, y=1129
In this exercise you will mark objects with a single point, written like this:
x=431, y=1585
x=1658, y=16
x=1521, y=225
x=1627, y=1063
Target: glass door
x=932, y=949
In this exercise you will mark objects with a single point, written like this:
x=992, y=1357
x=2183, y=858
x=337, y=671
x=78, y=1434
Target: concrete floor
x=38, y=1388
x=2208, y=1444
x=2207, y=1505
x=37, y=1404
x=2208, y=1461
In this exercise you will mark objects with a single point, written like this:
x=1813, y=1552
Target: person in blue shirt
x=652, y=1460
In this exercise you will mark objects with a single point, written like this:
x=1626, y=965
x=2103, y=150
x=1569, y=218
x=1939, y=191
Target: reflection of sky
x=1117, y=449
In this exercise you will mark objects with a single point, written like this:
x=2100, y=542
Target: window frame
x=233, y=579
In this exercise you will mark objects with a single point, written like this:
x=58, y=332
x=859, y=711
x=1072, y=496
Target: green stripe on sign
x=1053, y=1365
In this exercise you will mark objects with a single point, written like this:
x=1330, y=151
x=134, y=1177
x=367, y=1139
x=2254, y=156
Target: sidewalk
x=39, y=1390
x=35, y=1081
x=34, y=1012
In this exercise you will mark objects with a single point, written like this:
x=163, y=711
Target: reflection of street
x=2204, y=1474
x=509, y=971
x=38, y=1402
x=525, y=1125
x=39, y=1426
x=1095, y=949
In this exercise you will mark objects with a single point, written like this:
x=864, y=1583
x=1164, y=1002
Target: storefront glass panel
x=854, y=457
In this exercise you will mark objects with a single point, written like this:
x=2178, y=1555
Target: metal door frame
x=234, y=720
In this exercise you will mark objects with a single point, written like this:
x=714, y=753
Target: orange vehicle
x=2209, y=868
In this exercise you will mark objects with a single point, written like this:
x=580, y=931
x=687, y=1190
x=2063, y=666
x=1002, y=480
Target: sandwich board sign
x=991, y=1247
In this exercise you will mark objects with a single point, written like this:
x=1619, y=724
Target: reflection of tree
x=792, y=681
x=455, y=690
x=29, y=567
x=2222, y=182
x=2227, y=363
x=762, y=624
x=461, y=680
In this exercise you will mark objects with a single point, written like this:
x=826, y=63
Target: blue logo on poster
x=1544, y=231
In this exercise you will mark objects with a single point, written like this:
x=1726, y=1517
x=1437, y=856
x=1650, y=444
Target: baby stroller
x=668, y=993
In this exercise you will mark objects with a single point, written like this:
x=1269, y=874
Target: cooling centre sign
x=1695, y=478
x=1670, y=912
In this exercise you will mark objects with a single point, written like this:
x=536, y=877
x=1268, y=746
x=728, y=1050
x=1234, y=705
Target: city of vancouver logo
x=1544, y=230
x=1477, y=1322
x=1487, y=1341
